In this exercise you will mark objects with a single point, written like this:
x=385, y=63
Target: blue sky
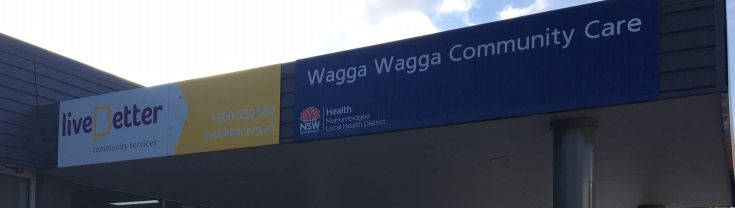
x=153, y=42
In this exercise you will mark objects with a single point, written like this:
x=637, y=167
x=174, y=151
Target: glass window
x=173, y=204
x=14, y=191
x=91, y=197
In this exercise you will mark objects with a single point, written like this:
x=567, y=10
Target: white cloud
x=396, y=27
x=461, y=7
x=512, y=12
x=384, y=21
x=456, y=5
x=162, y=41
x=155, y=42
x=537, y=6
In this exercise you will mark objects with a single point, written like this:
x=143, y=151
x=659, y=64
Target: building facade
x=670, y=150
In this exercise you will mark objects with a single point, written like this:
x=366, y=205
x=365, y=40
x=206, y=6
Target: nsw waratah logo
x=309, y=118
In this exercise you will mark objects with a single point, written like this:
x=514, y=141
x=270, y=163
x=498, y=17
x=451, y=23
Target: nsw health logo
x=310, y=122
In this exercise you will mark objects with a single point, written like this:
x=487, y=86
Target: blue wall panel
x=32, y=82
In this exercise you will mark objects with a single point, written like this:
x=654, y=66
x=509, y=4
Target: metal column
x=574, y=141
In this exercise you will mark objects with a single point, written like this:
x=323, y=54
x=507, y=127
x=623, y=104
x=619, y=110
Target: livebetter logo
x=309, y=118
x=104, y=119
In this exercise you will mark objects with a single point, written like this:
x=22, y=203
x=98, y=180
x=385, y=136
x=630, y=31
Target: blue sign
x=592, y=55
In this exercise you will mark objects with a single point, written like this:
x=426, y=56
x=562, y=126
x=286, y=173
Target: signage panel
x=586, y=56
x=228, y=111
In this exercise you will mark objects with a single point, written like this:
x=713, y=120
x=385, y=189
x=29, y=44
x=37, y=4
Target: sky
x=153, y=42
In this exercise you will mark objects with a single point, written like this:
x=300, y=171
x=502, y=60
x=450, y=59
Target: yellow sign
x=236, y=110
